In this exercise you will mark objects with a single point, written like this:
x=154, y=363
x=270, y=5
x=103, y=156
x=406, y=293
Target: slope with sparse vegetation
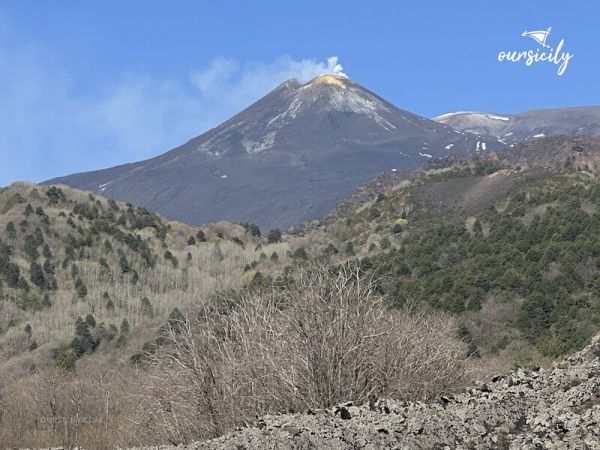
x=119, y=328
x=86, y=281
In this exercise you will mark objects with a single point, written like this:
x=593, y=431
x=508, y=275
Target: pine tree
x=330, y=250
x=274, y=236
x=80, y=288
x=46, y=251
x=253, y=229
x=124, y=264
x=38, y=236
x=11, y=230
x=90, y=321
x=74, y=271
x=30, y=248
x=36, y=275
x=54, y=195
x=300, y=253
x=125, y=327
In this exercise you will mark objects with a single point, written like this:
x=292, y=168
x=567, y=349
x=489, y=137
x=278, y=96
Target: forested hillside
x=149, y=331
x=120, y=328
x=66, y=255
x=514, y=253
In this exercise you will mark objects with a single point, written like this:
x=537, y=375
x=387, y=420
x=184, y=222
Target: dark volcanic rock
x=287, y=158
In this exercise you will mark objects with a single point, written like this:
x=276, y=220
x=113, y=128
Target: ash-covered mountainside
x=289, y=157
x=515, y=128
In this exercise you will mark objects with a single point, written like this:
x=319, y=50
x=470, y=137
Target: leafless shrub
x=326, y=338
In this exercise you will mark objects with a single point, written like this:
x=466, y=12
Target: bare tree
x=325, y=338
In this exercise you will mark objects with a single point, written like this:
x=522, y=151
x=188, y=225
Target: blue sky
x=90, y=84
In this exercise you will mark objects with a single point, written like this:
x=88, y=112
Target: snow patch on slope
x=103, y=187
x=253, y=147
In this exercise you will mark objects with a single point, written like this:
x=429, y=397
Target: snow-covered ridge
x=453, y=114
x=470, y=115
x=479, y=123
x=514, y=128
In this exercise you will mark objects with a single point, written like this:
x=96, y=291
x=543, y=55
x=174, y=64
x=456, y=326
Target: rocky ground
x=558, y=408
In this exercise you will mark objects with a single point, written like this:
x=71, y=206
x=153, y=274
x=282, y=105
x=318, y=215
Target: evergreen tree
x=124, y=264
x=46, y=251
x=385, y=243
x=253, y=229
x=274, y=236
x=80, y=288
x=74, y=271
x=125, y=327
x=36, y=275
x=38, y=236
x=11, y=230
x=54, y=195
x=90, y=321
x=300, y=253
x=330, y=249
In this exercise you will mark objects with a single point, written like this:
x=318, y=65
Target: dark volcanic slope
x=289, y=157
x=515, y=128
x=555, y=151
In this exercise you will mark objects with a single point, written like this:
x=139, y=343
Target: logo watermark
x=72, y=420
x=547, y=53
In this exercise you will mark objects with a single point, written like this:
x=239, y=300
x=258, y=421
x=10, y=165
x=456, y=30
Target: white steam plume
x=334, y=67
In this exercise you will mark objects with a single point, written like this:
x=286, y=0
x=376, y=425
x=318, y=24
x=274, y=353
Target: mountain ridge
x=511, y=129
x=288, y=157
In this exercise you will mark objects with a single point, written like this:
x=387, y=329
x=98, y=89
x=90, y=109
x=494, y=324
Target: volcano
x=285, y=159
